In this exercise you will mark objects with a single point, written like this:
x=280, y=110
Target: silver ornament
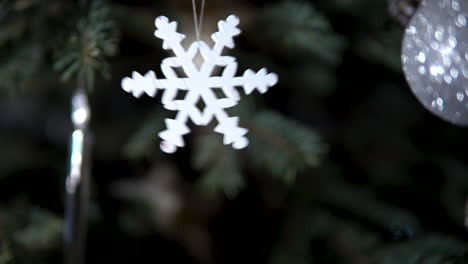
x=435, y=58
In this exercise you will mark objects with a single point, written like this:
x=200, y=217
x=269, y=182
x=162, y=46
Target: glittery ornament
x=435, y=58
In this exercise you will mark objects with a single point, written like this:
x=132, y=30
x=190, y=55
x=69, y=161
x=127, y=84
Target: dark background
x=367, y=175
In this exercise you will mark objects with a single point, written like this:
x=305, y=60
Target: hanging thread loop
x=198, y=20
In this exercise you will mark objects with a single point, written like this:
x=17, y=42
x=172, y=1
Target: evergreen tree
x=344, y=165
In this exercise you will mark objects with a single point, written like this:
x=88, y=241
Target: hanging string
x=198, y=20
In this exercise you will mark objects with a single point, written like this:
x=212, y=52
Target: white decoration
x=435, y=58
x=199, y=84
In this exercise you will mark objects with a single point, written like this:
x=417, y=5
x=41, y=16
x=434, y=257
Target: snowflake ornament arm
x=199, y=84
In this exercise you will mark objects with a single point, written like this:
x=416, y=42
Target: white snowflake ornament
x=199, y=84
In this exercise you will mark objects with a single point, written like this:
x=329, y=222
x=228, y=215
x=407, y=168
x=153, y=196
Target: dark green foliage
x=20, y=46
x=432, y=248
x=17, y=69
x=42, y=231
x=31, y=32
x=282, y=146
x=343, y=166
x=16, y=155
x=94, y=39
x=142, y=143
x=306, y=237
x=221, y=168
x=296, y=28
x=362, y=203
x=28, y=232
x=278, y=145
x=382, y=48
x=5, y=253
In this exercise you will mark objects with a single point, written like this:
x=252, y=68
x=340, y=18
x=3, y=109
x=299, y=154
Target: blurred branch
x=362, y=203
x=221, y=169
x=5, y=253
x=143, y=143
x=431, y=248
x=94, y=39
x=282, y=146
x=306, y=33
